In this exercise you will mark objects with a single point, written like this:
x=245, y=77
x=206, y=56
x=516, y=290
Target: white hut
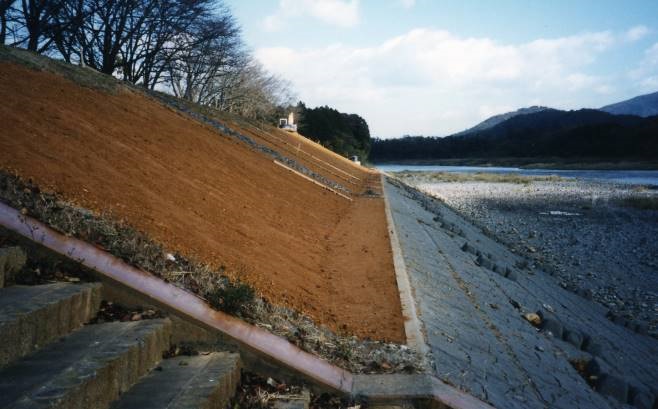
x=288, y=123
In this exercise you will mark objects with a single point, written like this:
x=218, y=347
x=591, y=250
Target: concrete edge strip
x=312, y=180
x=412, y=325
x=250, y=337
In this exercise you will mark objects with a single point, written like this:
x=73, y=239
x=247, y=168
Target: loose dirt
x=206, y=196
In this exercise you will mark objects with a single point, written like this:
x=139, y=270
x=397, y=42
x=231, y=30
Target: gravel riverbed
x=580, y=232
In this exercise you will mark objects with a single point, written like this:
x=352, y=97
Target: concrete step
x=12, y=260
x=87, y=369
x=33, y=316
x=202, y=381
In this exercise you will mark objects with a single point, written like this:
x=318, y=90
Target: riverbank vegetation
x=450, y=177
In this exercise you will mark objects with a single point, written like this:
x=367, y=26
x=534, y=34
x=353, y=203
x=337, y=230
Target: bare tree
x=68, y=35
x=254, y=93
x=5, y=6
x=194, y=47
x=39, y=19
x=209, y=51
x=147, y=53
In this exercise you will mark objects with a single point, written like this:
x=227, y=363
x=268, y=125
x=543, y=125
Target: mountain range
x=496, y=119
x=642, y=106
x=627, y=130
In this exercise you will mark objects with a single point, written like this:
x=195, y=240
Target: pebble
x=533, y=318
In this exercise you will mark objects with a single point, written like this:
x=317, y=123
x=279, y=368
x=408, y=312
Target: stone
x=533, y=318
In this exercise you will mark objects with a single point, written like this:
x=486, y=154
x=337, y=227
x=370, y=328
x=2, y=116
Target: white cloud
x=433, y=82
x=342, y=13
x=636, y=33
x=646, y=73
x=407, y=4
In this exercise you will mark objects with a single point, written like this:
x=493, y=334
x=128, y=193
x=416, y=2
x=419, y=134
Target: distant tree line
x=191, y=48
x=345, y=134
x=559, y=134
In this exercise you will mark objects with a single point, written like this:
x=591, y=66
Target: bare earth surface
x=595, y=245
x=208, y=196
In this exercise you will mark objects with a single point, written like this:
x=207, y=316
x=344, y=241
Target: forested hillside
x=345, y=134
x=550, y=133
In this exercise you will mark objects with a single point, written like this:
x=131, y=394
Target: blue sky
x=436, y=67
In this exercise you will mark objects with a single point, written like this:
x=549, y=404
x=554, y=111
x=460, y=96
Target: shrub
x=230, y=297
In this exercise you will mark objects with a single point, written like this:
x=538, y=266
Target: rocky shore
x=587, y=235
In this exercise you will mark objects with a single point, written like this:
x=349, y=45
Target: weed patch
x=230, y=297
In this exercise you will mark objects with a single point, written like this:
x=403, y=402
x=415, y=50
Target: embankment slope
x=208, y=196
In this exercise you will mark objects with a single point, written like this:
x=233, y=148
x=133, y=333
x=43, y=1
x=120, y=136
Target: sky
x=430, y=67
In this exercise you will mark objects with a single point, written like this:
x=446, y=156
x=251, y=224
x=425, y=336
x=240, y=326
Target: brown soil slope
x=207, y=196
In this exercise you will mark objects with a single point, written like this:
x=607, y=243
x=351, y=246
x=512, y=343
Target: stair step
x=202, y=381
x=33, y=316
x=12, y=260
x=87, y=369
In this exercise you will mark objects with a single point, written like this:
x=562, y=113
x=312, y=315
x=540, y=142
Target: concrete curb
x=250, y=339
x=412, y=325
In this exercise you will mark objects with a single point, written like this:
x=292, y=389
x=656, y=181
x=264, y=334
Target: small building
x=288, y=123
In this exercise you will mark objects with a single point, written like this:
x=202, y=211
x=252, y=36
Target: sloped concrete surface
x=186, y=382
x=472, y=295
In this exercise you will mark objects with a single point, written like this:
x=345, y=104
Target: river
x=634, y=177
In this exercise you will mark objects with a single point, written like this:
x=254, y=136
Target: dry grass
x=86, y=77
x=451, y=177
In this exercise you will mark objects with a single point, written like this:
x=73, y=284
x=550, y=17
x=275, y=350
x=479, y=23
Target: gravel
x=577, y=231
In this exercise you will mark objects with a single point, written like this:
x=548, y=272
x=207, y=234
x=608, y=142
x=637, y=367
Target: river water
x=634, y=177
